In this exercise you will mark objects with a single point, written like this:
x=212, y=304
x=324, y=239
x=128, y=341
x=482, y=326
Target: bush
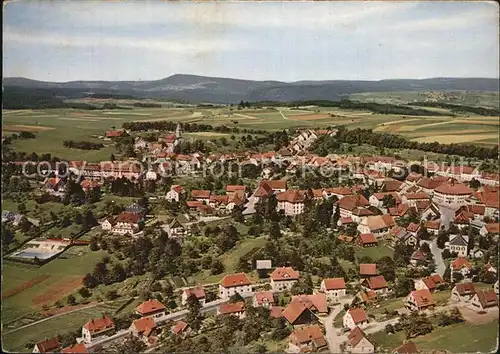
x=111, y=295
x=389, y=328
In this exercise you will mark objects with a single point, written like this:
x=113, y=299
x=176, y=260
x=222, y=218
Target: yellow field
x=451, y=138
x=26, y=128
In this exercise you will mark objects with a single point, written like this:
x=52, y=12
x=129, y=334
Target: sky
x=86, y=40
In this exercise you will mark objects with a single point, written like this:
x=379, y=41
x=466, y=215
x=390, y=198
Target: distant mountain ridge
x=194, y=88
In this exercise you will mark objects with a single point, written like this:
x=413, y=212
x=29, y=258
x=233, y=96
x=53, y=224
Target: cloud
x=167, y=45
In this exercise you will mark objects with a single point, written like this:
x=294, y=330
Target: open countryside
x=301, y=193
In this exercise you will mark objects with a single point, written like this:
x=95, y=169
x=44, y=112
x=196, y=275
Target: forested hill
x=192, y=88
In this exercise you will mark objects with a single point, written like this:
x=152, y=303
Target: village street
x=436, y=254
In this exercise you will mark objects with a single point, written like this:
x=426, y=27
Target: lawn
x=374, y=252
x=230, y=260
x=456, y=338
x=63, y=324
x=67, y=268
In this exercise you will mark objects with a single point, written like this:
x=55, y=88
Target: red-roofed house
x=234, y=309
x=349, y=203
x=201, y=195
x=367, y=240
x=263, y=299
x=115, y=133
x=76, y=348
x=298, y=314
x=355, y=317
x=407, y=348
x=367, y=270
x=484, y=300
x=460, y=265
x=175, y=193
x=234, y=283
x=358, y=343
x=291, y=202
x=283, y=278
x=54, y=184
x=334, y=288
x=314, y=302
x=197, y=291
x=376, y=224
x=181, y=328
x=307, y=339
x=463, y=292
x=490, y=229
x=377, y=284
x=51, y=345
x=151, y=308
x=145, y=329
x=419, y=300
x=431, y=283
x=95, y=328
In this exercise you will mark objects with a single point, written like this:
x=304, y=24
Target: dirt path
x=283, y=115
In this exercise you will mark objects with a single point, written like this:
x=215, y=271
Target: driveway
x=436, y=254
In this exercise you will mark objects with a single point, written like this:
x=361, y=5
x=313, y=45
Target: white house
x=452, y=193
x=175, y=193
x=96, y=328
x=463, y=292
x=458, y=244
x=355, y=317
x=234, y=283
x=334, y=288
x=283, y=278
x=419, y=300
x=234, y=309
x=291, y=202
x=358, y=343
x=484, y=300
x=197, y=291
x=263, y=299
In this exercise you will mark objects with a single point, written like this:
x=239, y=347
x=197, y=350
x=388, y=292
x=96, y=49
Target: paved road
x=438, y=258
x=332, y=335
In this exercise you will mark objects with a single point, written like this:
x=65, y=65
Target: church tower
x=178, y=131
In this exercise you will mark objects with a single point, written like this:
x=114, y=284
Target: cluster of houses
x=304, y=313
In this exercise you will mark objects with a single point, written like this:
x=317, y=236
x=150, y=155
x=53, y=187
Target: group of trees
x=82, y=145
x=326, y=144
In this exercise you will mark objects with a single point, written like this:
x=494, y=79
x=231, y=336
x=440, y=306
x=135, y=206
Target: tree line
x=82, y=145
x=482, y=111
x=326, y=144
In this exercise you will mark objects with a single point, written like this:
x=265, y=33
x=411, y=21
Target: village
x=439, y=220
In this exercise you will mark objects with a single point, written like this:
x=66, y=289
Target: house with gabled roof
x=146, y=330
x=176, y=230
x=459, y=245
x=484, y=300
x=367, y=297
x=460, y=265
x=263, y=299
x=77, y=348
x=355, y=317
x=376, y=283
x=180, y=328
x=232, y=309
x=419, y=300
x=490, y=229
x=334, y=288
x=50, y=345
x=307, y=339
x=98, y=327
x=366, y=240
x=377, y=224
x=197, y=291
x=463, y=292
x=406, y=348
x=297, y=314
x=433, y=226
x=432, y=283
x=349, y=203
x=358, y=343
x=283, y=278
x=417, y=258
x=234, y=283
x=151, y=308
x=367, y=270
x=315, y=302
x=175, y=193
